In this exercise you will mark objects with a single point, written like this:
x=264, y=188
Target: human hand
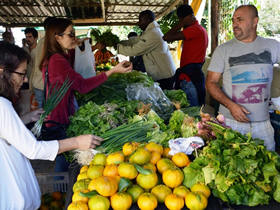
x=122, y=67
x=32, y=116
x=88, y=141
x=239, y=112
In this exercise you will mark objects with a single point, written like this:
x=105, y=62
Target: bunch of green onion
x=55, y=95
x=114, y=139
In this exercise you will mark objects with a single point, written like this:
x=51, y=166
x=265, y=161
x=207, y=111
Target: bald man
x=246, y=64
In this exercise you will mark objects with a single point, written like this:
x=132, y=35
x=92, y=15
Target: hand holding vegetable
x=32, y=116
x=122, y=67
x=82, y=142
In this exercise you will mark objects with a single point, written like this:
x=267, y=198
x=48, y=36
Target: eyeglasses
x=71, y=34
x=23, y=75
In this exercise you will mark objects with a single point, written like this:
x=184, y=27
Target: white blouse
x=19, y=188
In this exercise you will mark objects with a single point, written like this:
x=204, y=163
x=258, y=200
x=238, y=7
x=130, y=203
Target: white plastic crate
x=53, y=182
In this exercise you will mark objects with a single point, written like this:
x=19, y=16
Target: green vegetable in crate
x=237, y=168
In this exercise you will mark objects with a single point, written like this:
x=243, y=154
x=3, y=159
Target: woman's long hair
x=11, y=56
x=51, y=46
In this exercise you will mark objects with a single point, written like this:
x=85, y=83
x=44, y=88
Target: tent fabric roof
x=83, y=12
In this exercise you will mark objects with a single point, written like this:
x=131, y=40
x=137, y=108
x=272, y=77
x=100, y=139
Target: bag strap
x=46, y=83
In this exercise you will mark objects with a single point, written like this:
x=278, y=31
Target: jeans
x=194, y=72
x=190, y=90
x=39, y=96
x=61, y=165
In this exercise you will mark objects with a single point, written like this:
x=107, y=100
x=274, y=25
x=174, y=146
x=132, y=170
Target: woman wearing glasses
x=57, y=60
x=18, y=185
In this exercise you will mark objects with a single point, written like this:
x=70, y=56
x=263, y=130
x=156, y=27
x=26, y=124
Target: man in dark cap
x=193, y=55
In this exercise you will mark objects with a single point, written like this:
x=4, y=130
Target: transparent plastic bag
x=151, y=95
x=84, y=61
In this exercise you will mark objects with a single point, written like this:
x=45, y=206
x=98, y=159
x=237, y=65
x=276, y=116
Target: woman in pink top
x=58, y=59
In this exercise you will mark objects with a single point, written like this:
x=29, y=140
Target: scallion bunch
x=115, y=138
x=55, y=95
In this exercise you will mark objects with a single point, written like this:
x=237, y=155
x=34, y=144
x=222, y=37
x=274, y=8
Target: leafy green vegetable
x=237, y=168
x=113, y=90
x=97, y=119
x=177, y=96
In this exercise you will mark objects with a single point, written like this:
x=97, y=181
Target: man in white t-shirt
x=246, y=63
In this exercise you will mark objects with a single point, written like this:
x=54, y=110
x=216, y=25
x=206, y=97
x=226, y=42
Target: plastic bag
x=275, y=103
x=151, y=95
x=84, y=61
x=185, y=145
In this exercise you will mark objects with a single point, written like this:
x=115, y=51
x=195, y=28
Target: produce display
x=237, y=168
x=143, y=174
x=132, y=166
x=114, y=88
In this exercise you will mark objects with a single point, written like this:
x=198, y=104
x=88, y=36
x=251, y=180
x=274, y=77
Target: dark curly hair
x=11, y=56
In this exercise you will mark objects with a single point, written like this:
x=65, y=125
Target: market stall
x=235, y=170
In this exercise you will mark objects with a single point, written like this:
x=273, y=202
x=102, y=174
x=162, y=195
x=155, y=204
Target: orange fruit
x=98, y=202
x=150, y=166
x=82, y=176
x=201, y=188
x=57, y=195
x=154, y=147
x=84, y=169
x=174, y=202
x=147, y=201
x=77, y=197
x=129, y=148
x=135, y=191
x=79, y=205
x=121, y=201
x=195, y=200
x=155, y=157
x=111, y=170
x=181, y=159
x=165, y=152
x=81, y=185
x=115, y=158
x=172, y=177
x=99, y=159
x=95, y=171
x=147, y=181
x=127, y=170
x=164, y=164
x=91, y=185
x=141, y=156
x=105, y=185
x=161, y=191
x=181, y=191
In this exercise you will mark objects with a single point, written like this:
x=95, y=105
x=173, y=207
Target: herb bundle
x=55, y=95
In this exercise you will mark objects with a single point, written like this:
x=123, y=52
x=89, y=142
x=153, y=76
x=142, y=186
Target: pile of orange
x=142, y=174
